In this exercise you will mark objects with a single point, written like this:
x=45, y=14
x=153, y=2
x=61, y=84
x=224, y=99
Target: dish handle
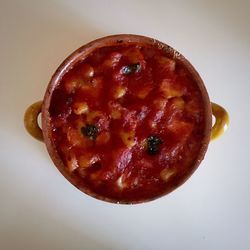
x=30, y=120
x=221, y=121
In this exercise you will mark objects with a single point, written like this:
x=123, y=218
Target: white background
x=39, y=209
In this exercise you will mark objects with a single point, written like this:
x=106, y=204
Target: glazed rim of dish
x=116, y=40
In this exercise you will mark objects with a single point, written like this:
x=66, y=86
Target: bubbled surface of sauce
x=127, y=94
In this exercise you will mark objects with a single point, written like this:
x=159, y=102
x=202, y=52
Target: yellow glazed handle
x=221, y=121
x=30, y=120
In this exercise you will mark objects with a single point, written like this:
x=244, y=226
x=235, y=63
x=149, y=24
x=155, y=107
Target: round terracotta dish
x=134, y=58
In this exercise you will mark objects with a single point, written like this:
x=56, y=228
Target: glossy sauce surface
x=127, y=122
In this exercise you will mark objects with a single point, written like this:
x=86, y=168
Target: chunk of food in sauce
x=112, y=60
x=128, y=138
x=80, y=108
x=165, y=63
x=127, y=122
x=87, y=160
x=119, y=91
x=72, y=163
x=170, y=89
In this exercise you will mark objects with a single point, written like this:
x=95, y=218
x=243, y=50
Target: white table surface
x=39, y=209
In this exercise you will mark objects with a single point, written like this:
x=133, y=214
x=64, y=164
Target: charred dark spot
x=153, y=144
x=69, y=100
x=130, y=69
x=90, y=131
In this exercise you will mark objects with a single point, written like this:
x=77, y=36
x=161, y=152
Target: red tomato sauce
x=127, y=122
